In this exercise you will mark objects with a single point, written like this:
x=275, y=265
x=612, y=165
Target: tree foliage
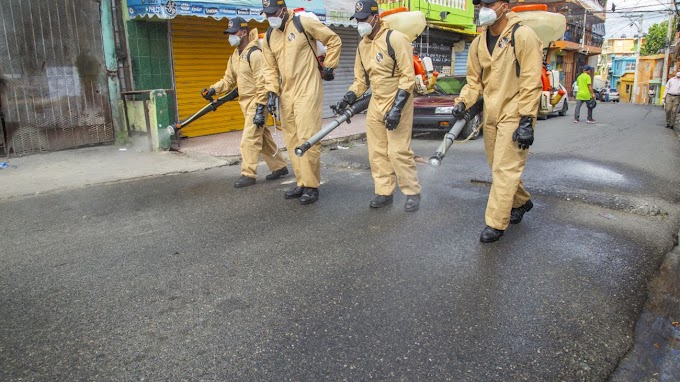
x=655, y=40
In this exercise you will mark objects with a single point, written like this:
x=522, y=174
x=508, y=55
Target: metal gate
x=460, y=63
x=53, y=85
x=344, y=74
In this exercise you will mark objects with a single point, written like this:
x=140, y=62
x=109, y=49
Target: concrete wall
x=649, y=70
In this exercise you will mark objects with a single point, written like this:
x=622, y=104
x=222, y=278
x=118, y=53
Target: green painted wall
x=456, y=18
x=151, y=65
x=150, y=54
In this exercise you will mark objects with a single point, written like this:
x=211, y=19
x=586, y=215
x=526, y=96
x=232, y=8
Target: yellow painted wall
x=627, y=79
x=200, y=53
x=649, y=68
x=620, y=46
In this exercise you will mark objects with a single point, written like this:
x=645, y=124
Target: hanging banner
x=338, y=12
x=218, y=9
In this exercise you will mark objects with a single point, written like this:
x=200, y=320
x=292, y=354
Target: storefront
x=447, y=47
x=198, y=51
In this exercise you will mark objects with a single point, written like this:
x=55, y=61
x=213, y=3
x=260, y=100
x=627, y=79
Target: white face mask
x=364, y=28
x=487, y=16
x=677, y=74
x=275, y=21
x=234, y=40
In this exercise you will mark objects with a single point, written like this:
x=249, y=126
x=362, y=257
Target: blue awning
x=217, y=9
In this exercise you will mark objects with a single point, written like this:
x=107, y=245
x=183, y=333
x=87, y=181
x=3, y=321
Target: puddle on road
x=587, y=171
x=459, y=193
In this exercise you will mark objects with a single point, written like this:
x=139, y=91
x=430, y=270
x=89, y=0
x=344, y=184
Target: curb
x=653, y=356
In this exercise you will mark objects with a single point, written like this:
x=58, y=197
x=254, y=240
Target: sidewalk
x=68, y=169
x=227, y=144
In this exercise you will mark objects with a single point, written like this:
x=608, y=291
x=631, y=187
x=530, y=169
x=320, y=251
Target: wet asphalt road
x=186, y=278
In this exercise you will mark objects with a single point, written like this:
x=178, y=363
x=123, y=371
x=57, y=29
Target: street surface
x=186, y=278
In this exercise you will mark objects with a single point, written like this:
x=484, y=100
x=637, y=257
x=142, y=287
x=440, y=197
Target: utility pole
x=664, y=75
x=583, y=36
x=637, y=59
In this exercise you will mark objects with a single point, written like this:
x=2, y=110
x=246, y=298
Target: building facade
x=623, y=76
x=179, y=46
x=55, y=88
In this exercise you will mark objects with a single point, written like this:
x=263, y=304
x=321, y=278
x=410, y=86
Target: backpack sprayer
x=549, y=26
x=174, y=130
x=436, y=159
x=358, y=106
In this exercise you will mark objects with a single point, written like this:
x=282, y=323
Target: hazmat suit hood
x=254, y=37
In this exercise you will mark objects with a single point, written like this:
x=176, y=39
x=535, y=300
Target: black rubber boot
x=412, y=203
x=295, y=193
x=489, y=235
x=244, y=181
x=277, y=174
x=516, y=214
x=309, y=196
x=381, y=201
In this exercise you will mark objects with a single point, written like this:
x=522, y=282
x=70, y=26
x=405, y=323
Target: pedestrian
x=672, y=100
x=389, y=119
x=293, y=75
x=650, y=93
x=244, y=71
x=574, y=89
x=504, y=65
x=584, y=95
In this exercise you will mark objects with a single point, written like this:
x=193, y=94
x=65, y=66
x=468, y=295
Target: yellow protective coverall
x=290, y=71
x=507, y=97
x=250, y=82
x=389, y=152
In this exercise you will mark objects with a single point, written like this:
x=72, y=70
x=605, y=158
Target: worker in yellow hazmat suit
x=244, y=70
x=292, y=75
x=385, y=62
x=504, y=65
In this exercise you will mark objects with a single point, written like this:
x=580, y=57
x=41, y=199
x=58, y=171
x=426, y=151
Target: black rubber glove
x=459, y=110
x=328, y=74
x=208, y=93
x=258, y=120
x=271, y=103
x=524, y=135
x=348, y=99
x=393, y=116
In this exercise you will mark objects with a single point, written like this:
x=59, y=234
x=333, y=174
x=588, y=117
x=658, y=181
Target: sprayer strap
x=512, y=43
x=368, y=81
x=301, y=29
x=390, y=51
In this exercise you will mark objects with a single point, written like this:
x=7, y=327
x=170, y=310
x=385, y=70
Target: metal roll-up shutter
x=344, y=74
x=200, y=53
x=460, y=66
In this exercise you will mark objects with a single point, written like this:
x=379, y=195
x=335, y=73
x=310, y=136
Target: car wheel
x=542, y=117
x=470, y=127
x=564, y=110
